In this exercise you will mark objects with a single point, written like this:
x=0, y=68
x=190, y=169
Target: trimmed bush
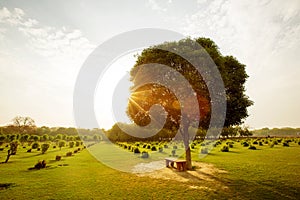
x=145, y=154
x=58, y=158
x=230, y=145
x=40, y=165
x=225, y=148
x=69, y=154
x=136, y=150
x=252, y=147
x=245, y=144
x=77, y=143
x=175, y=147
x=285, y=144
x=35, y=145
x=153, y=148
x=255, y=142
x=29, y=150
x=260, y=144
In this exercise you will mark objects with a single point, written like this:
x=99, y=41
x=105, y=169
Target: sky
x=43, y=45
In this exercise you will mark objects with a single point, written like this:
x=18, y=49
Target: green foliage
x=45, y=147
x=252, y=147
x=225, y=148
x=153, y=148
x=61, y=144
x=35, y=145
x=71, y=144
x=136, y=150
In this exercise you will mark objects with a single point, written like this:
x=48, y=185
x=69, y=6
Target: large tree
x=143, y=97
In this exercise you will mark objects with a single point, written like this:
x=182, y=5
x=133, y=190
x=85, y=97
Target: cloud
x=264, y=35
x=155, y=6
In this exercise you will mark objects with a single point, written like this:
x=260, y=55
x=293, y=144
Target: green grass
x=265, y=173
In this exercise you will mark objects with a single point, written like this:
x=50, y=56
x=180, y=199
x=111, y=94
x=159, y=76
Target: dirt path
x=202, y=177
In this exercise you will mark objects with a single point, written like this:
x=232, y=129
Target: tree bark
x=185, y=135
x=8, y=155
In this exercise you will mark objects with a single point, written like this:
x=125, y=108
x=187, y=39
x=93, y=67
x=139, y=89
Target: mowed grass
x=266, y=173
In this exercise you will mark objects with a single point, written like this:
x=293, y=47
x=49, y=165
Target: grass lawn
x=266, y=173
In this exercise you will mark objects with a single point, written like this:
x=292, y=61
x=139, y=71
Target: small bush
x=77, y=143
x=299, y=143
x=245, y=144
x=144, y=146
x=35, y=145
x=1, y=149
x=252, y=147
x=54, y=147
x=230, y=145
x=136, y=150
x=40, y=165
x=29, y=150
x=153, y=148
x=260, y=144
x=69, y=154
x=225, y=148
x=175, y=147
x=58, y=158
x=285, y=144
x=192, y=146
x=166, y=146
x=255, y=142
x=145, y=154
x=38, y=149
x=149, y=147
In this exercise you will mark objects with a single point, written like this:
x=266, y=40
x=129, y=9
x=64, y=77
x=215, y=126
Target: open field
x=241, y=173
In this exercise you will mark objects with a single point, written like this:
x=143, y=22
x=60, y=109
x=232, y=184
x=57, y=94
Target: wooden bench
x=180, y=164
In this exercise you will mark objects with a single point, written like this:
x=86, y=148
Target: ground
x=265, y=173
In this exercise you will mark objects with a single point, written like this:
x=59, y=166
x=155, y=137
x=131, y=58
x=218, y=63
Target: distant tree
x=61, y=144
x=71, y=144
x=13, y=150
x=45, y=147
x=24, y=124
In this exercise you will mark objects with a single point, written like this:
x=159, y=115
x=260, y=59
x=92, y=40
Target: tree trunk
x=8, y=155
x=185, y=135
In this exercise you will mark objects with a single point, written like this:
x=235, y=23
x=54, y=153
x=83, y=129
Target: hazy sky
x=44, y=43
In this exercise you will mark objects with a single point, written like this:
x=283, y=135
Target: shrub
x=153, y=148
x=255, y=142
x=149, y=147
x=230, y=145
x=245, y=144
x=145, y=154
x=204, y=151
x=29, y=150
x=166, y=146
x=71, y=144
x=225, y=148
x=260, y=144
x=136, y=150
x=58, y=158
x=175, y=147
x=54, y=147
x=38, y=149
x=299, y=143
x=69, y=154
x=192, y=146
x=77, y=143
x=1, y=149
x=285, y=144
x=144, y=146
x=272, y=145
x=252, y=147
x=45, y=147
x=40, y=165
x=35, y=145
